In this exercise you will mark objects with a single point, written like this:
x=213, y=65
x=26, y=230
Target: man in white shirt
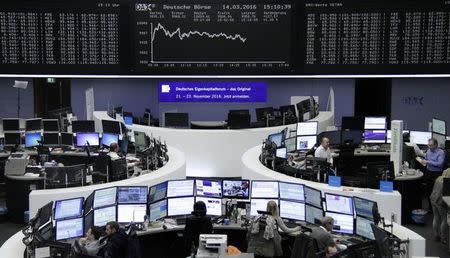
x=113, y=151
x=323, y=151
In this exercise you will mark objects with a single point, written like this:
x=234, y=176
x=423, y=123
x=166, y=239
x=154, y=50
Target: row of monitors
x=60, y=139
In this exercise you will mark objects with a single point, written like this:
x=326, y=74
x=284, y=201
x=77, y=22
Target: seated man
x=90, y=244
x=196, y=224
x=116, y=241
x=322, y=234
x=114, y=151
x=323, y=151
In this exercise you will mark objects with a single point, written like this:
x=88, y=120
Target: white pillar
x=397, y=145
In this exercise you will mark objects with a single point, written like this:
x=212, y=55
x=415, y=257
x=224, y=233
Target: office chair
x=55, y=177
x=304, y=247
x=101, y=169
x=119, y=170
x=76, y=175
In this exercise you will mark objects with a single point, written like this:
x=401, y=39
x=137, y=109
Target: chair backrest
x=118, y=169
x=55, y=177
x=102, y=163
x=133, y=248
x=76, y=174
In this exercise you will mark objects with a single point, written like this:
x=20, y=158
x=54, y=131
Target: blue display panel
x=212, y=91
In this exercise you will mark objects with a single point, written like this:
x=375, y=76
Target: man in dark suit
x=322, y=233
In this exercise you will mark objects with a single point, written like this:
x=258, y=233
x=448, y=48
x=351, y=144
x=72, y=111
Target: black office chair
x=55, y=177
x=101, y=169
x=304, y=247
x=76, y=175
x=119, y=170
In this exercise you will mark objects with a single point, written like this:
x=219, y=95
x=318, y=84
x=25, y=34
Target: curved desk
x=175, y=168
x=214, y=153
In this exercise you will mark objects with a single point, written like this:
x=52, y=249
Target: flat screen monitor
x=104, y=215
x=132, y=194
x=127, y=213
x=128, y=120
x=51, y=139
x=277, y=138
x=12, y=139
x=88, y=203
x=281, y=153
x=307, y=128
x=375, y=123
x=264, y=189
x=290, y=144
x=105, y=197
x=177, y=120
x=364, y=208
x=389, y=135
x=11, y=124
x=313, y=196
x=374, y=136
x=111, y=127
x=238, y=119
x=364, y=228
x=419, y=137
x=352, y=123
x=140, y=140
x=71, y=228
x=292, y=191
x=88, y=221
x=213, y=205
x=157, y=192
x=440, y=139
x=333, y=136
x=288, y=111
x=83, y=126
x=108, y=138
x=32, y=139
x=67, y=139
x=354, y=137
x=262, y=113
x=208, y=188
x=305, y=143
x=292, y=210
x=259, y=205
x=50, y=125
x=313, y=215
x=44, y=214
x=439, y=126
x=34, y=124
x=158, y=210
x=339, y=203
x=84, y=138
x=180, y=188
x=180, y=206
x=70, y=208
x=343, y=223
x=236, y=188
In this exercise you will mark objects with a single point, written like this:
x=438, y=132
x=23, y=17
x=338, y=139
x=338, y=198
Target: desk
x=208, y=124
x=408, y=186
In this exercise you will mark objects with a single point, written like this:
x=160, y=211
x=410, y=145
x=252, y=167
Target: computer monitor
x=440, y=139
x=180, y=206
x=128, y=120
x=339, y=203
x=389, y=135
x=45, y=233
x=208, y=188
x=34, y=124
x=292, y=191
x=105, y=197
x=11, y=124
x=292, y=210
x=288, y=111
x=264, y=189
x=354, y=137
x=307, y=128
x=108, y=138
x=69, y=208
x=83, y=126
x=213, y=205
x=44, y=215
x=419, y=137
x=305, y=143
x=375, y=136
x=375, y=123
x=32, y=139
x=364, y=208
x=290, y=144
x=127, y=213
x=132, y=194
x=84, y=138
x=343, y=223
x=50, y=125
x=180, y=188
x=277, y=138
x=313, y=196
x=88, y=221
x=157, y=192
x=177, y=120
x=111, y=127
x=51, y=139
x=239, y=119
x=140, y=140
x=381, y=236
x=12, y=139
x=333, y=136
x=67, y=139
x=281, y=153
x=104, y=215
x=439, y=126
x=262, y=113
x=352, y=123
x=313, y=214
x=236, y=188
x=158, y=210
x=364, y=228
x=71, y=228
x=259, y=205
x=88, y=203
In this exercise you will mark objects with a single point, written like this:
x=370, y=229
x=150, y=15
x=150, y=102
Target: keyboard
x=375, y=150
x=354, y=240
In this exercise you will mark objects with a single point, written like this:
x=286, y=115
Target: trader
x=322, y=234
x=114, y=151
x=117, y=241
x=323, y=151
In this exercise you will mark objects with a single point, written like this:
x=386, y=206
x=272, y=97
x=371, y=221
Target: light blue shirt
x=435, y=159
